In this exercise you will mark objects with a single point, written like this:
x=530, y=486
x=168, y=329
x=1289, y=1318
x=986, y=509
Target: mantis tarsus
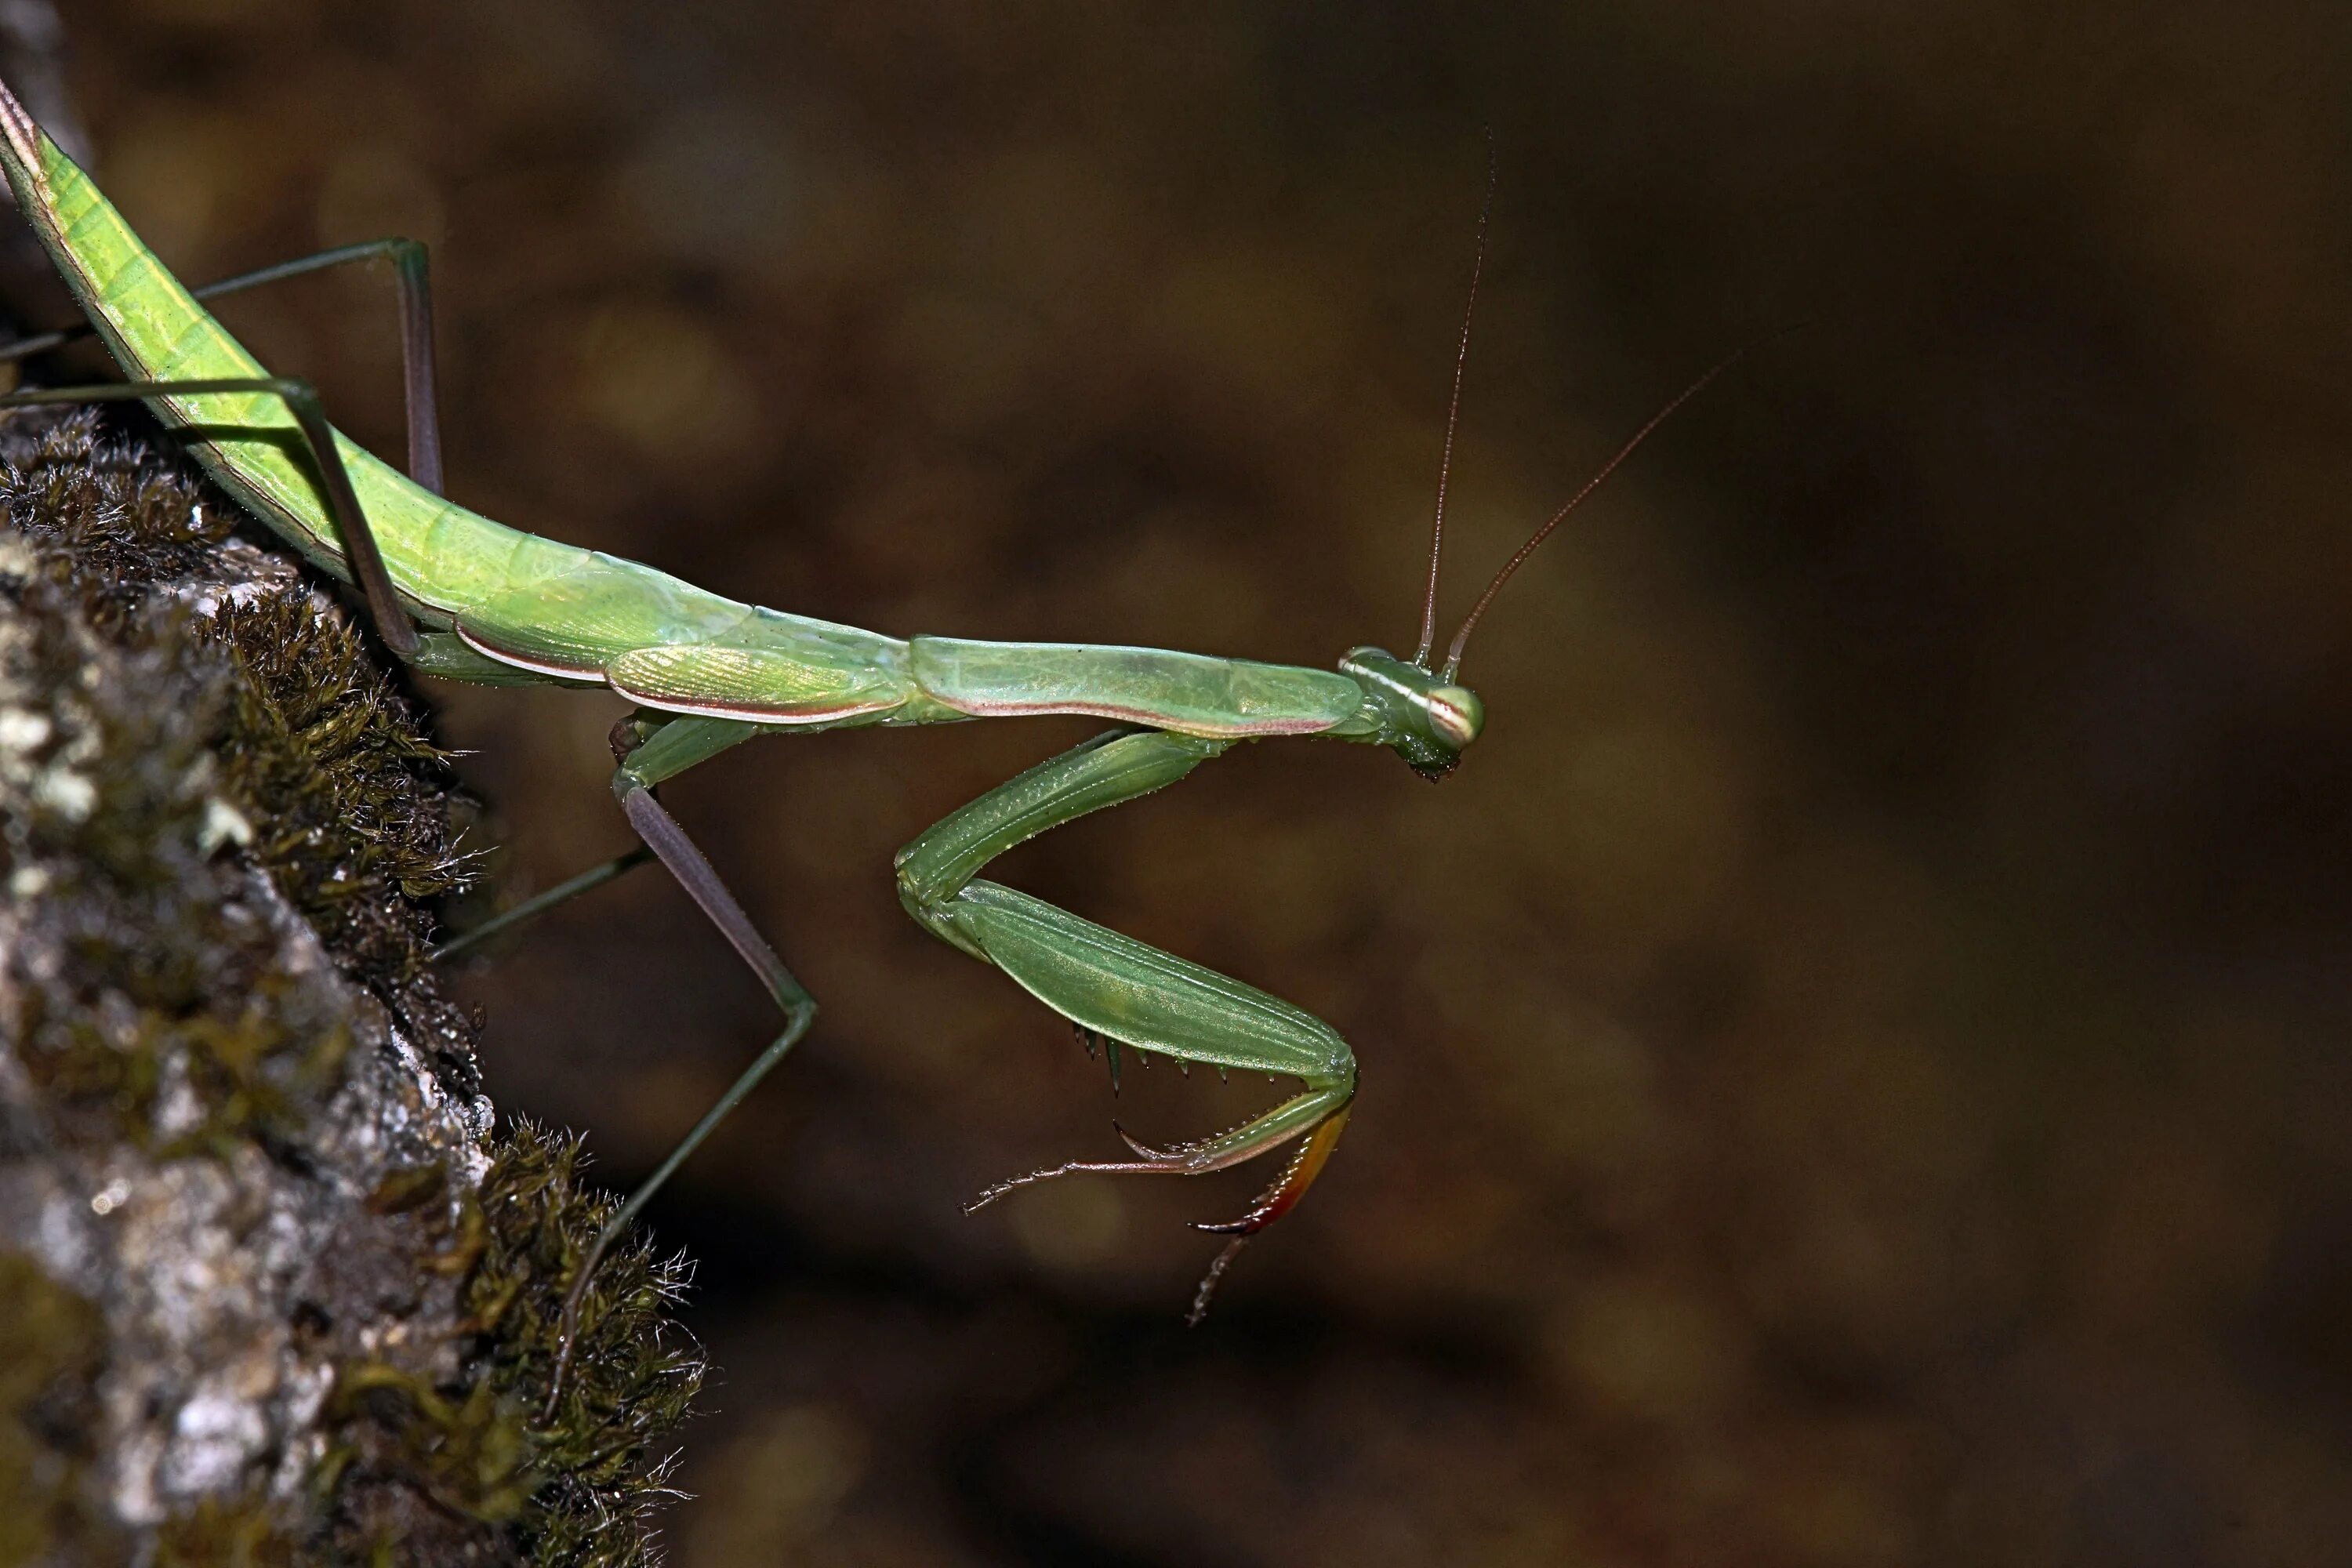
x=457, y=595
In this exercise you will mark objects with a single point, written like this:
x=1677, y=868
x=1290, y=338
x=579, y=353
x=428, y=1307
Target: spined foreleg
x=1123, y=990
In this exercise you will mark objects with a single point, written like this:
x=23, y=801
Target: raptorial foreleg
x=1123, y=990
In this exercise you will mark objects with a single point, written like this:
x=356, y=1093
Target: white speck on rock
x=66, y=792
x=214, y=1436
x=21, y=730
x=139, y=1449
x=223, y=824
x=178, y=1109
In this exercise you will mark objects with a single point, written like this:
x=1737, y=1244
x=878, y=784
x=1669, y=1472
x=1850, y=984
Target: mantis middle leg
x=1124, y=990
x=647, y=756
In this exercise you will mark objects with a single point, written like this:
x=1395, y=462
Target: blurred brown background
x=1855, y=1064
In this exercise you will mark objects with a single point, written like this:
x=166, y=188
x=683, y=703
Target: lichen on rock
x=268, y=1285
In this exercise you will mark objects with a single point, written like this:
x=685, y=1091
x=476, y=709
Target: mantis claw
x=1320, y=1115
x=1296, y=1177
x=1142, y=1150
x=1276, y=1202
x=1178, y=1161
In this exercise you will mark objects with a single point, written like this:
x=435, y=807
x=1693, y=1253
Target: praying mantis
x=458, y=596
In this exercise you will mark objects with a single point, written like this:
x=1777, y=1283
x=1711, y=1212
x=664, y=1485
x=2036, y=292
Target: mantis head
x=1425, y=719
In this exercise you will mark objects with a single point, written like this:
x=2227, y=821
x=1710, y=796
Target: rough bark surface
x=270, y=1290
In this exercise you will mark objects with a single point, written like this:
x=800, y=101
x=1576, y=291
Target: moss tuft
x=632, y=1376
x=116, y=521
x=350, y=804
x=359, y=832
x=399, y=1439
x=482, y=1448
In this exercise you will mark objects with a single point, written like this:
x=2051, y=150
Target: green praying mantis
x=459, y=597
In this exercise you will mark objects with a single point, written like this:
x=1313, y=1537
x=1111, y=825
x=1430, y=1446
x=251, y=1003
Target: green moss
x=144, y=979
x=227, y=1532
x=115, y=518
x=569, y=1485
x=264, y=722
x=51, y=1352
x=360, y=823
x=358, y=833
x=262, y=735
x=632, y=1376
x=398, y=1439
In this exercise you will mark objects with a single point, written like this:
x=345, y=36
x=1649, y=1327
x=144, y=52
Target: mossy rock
x=270, y=1290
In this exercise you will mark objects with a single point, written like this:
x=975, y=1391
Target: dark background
x=1854, y=1065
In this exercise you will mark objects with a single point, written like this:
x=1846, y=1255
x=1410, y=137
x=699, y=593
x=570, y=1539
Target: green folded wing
x=760, y=684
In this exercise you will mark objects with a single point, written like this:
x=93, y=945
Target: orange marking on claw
x=1284, y=1195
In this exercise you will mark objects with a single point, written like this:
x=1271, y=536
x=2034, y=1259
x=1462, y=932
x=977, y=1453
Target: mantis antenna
x=1453, y=411
x=1453, y=653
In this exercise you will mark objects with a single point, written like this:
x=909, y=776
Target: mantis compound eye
x=1456, y=714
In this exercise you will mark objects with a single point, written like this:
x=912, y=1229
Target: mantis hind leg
x=412, y=279
x=411, y=272
x=1121, y=989
x=361, y=557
